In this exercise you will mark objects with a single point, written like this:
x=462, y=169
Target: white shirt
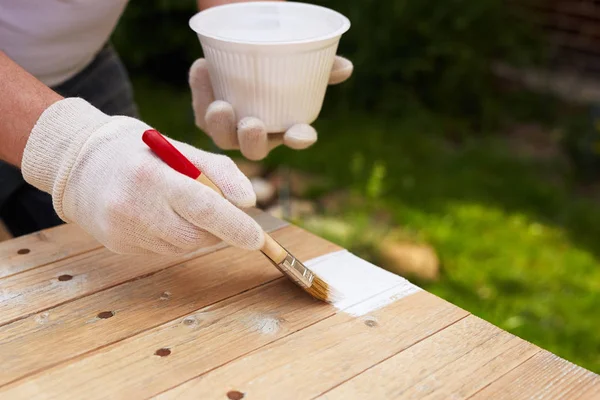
x=55, y=39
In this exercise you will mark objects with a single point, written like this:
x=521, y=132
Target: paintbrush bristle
x=321, y=290
x=302, y=276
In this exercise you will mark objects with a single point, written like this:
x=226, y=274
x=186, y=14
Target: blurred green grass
x=517, y=247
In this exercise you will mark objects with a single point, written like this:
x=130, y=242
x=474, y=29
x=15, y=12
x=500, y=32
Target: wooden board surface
x=326, y=353
x=444, y=365
x=4, y=233
x=544, y=376
x=223, y=323
x=31, y=251
x=81, y=275
x=50, y=337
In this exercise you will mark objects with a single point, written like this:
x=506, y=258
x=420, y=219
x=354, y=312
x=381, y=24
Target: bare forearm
x=23, y=99
x=204, y=4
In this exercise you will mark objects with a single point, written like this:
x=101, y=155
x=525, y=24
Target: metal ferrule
x=293, y=268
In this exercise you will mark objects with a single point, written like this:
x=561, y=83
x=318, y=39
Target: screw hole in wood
x=23, y=251
x=370, y=323
x=165, y=295
x=235, y=395
x=65, y=277
x=106, y=314
x=162, y=352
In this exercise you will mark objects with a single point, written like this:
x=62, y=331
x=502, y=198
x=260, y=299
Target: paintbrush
x=277, y=254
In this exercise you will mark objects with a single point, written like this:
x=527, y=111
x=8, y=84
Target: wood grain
x=196, y=343
x=224, y=320
x=61, y=333
x=581, y=9
x=53, y=284
x=454, y=363
x=4, y=233
x=212, y=337
x=50, y=245
x=564, y=22
x=544, y=376
x=30, y=251
x=324, y=355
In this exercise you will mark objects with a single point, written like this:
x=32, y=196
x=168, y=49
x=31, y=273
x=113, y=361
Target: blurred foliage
x=407, y=53
x=517, y=248
x=154, y=37
x=581, y=143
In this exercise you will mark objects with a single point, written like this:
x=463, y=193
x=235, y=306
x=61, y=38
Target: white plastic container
x=271, y=60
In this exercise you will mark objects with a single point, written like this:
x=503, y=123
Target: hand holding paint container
x=271, y=60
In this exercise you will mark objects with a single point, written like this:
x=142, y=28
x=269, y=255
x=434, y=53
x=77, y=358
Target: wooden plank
x=454, y=363
x=197, y=343
x=569, y=25
x=51, y=285
x=4, y=233
x=579, y=9
x=580, y=62
x=30, y=251
x=231, y=329
x=322, y=356
x=50, y=245
x=59, y=334
x=544, y=376
x=577, y=42
x=564, y=21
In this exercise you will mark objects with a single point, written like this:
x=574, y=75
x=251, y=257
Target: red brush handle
x=169, y=154
x=173, y=157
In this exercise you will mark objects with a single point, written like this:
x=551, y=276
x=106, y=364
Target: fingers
x=147, y=223
x=256, y=143
x=300, y=136
x=216, y=118
x=220, y=124
x=207, y=210
x=157, y=246
x=223, y=172
x=181, y=235
x=202, y=92
x=341, y=70
x=253, y=138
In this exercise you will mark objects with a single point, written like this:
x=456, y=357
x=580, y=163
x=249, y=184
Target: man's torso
x=55, y=39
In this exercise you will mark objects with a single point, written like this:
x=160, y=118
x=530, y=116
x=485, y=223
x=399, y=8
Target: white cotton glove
x=218, y=120
x=103, y=177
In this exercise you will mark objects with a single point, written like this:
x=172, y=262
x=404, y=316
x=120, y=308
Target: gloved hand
x=103, y=177
x=218, y=120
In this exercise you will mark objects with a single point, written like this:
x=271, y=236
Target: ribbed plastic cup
x=271, y=60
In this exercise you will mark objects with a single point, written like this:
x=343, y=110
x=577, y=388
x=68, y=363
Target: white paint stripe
x=365, y=287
